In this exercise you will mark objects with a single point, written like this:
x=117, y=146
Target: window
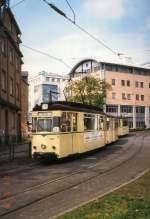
x=129, y=96
x=89, y=122
x=128, y=83
x=108, y=67
x=126, y=109
x=3, y=80
x=140, y=109
x=123, y=82
x=137, y=96
x=44, y=125
x=125, y=122
x=47, y=78
x=58, y=79
x=123, y=96
x=142, y=84
x=53, y=79
x=136, y=84
x=11, y=56
x=17, y=63
x=142, y=97
x=3, y=46
x=17, y=91
x=36, y=88
x=34, y=124
x=13, y=120
x=113, y=95
x=11, y=86
x=74, y=121
x=65, y=122
x=111, y=108
x=113, y=81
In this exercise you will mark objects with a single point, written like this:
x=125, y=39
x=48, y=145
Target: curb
x=100, y=196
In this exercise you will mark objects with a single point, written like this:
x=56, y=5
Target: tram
x=61, y=129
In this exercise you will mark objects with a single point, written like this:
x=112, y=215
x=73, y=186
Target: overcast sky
x=124, y=25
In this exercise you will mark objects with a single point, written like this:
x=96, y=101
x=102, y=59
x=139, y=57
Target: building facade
x=129, y=95
x=45, y=87
x=24, y=104
x=10, y=76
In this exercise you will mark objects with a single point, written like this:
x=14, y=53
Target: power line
x=46, y=54
x=81, y=28
x=71, y=10
x=18, y=3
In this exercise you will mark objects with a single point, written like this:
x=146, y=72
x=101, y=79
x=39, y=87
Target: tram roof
x=72, y=106
x=69, y=106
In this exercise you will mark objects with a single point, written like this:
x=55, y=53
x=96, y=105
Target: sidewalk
x=15, y=150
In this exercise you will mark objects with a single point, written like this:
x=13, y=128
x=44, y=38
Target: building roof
x=49, y=74
x=109, y=63
x=13, y=19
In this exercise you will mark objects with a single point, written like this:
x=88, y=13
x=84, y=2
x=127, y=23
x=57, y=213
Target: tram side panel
x=91, y=139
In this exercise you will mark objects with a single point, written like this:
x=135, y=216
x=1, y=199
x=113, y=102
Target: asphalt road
x=46, y=190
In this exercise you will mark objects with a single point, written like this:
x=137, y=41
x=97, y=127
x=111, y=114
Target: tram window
x=74, y=121
x=34, y=124
x=116, y=124
x=125, y=122
x=44, y=125
x=101, y=123
x=65, y=125
x=89, y=122
x=56, y=124
x=108, y=125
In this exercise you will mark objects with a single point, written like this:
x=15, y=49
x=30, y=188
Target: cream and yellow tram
x=61, y=129
x=123, y=128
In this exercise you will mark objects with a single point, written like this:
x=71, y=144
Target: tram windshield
x=67, y=122
x=44, y=125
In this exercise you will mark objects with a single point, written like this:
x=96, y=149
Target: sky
x=123, y=25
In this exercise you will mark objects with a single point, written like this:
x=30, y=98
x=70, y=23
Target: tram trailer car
x=123, y=128
x=61, y=129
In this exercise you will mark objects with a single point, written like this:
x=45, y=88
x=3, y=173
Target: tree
x=88, y=90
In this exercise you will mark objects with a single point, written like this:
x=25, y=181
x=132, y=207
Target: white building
x=146, y=65
x=44, y=86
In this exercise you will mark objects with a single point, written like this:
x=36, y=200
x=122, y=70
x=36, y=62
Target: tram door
x=75, y=135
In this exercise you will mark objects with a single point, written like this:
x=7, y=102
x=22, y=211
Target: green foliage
x=88, y=90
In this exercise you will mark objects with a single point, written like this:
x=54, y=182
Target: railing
x=11, y=149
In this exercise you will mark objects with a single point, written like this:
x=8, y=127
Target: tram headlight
x=34, y=147
x=53, y=147
x=43, y=146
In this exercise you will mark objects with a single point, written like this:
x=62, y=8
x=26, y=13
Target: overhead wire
x=18, y=3
x=38, y=51
x=74, y=16
x=48, y=55
x=74, y=22
x=81, y=28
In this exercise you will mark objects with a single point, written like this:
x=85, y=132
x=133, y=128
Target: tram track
x=98, y=173
x=31, y=166
x=31, y=188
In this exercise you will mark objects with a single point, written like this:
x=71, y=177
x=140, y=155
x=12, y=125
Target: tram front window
x=44, y=125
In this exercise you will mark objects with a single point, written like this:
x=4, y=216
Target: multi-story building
x=44, y=87
x=10, y=76
x=130, y=89
x=24, y=103
x=147, y=65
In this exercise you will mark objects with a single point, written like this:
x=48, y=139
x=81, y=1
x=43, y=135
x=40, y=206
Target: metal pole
x=30, y=149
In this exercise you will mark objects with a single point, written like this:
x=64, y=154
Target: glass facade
x=49, y=91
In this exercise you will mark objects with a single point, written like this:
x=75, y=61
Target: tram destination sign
x=45, y=114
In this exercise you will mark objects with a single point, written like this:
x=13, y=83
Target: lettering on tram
x=61, y=129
